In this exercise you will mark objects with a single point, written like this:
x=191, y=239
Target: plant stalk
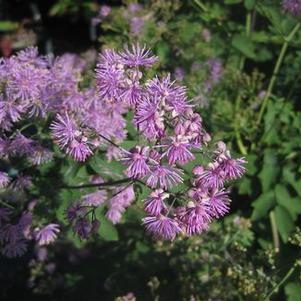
x=276, y=71
x=277, y=286
x=274, y=232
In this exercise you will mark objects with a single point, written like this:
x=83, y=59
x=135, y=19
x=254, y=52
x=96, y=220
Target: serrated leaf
x=283, y=197
x=284, y=222
x=290, y=178
x=244, y=45
x=262, y=205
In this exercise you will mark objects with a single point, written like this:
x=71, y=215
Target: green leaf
x=290, y=178
x=251, y=165
x=244, y=45
x=8, y=25
x=103, y=167
x=244, y=186
x=283, y=197
x=270, y=170
x=262, y=205
x=232, y=1
x=293, y=291
x=249, y=4
x=284, y=222
x=107, y=230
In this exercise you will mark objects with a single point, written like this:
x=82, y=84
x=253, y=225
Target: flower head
x=154, y=204
x=162, y=227
x=137, y=56
x=136, y=160
x=48, y=234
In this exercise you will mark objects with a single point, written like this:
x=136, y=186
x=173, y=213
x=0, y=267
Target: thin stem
x=111, y=142
x=240, y=144
x=274, y=231
x=201, y=5
x=277, y=286
x=123, y=189
x=239, y=141
x=105, y=184
x=276, y=71
x=6, y=205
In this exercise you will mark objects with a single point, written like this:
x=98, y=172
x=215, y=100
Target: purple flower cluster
x=172, y=132
x=293, y=7
x=16, y=233
x=169, y=134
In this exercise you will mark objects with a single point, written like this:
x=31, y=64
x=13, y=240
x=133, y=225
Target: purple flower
x=137, y=56
x=132, y=94
x=95, y=199
x=40, y=155
x=164, y=176
x=26, y=81
x=149, y=119
x=25, y=223
x=4, y=179
x=82, y=228
x=178, y=151
x=105, y=10
x=154, y=204
x=110, y=75
x=213, y=177
x=136, y=160
x=15, y=249
x=162, y=227
x=292, y=6
x=123, y=197
x=10, y=233
x=136, y=25
x=196, y=218
x=173, y=97
x=233, y=168
x=79, y=150
x=68, y=137
x=75, y=211
x=179, y=73
x=47, y=234
x=219, y=203
x=134, y=7
x=64, y=130
x=114, y=214
x=215, y=73
x=20, y=145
